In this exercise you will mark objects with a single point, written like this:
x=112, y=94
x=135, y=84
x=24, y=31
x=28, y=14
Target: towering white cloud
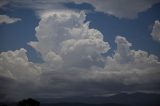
x=156, y=31
x=4, y=19
x=66, y=36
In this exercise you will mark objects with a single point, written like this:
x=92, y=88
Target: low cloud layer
x=73, y=64
x=4, y=19
x=156, y=31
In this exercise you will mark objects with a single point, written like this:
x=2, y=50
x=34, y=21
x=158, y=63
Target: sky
x=71, y=48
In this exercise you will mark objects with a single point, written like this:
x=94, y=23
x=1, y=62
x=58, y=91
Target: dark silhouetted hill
x=28, y=102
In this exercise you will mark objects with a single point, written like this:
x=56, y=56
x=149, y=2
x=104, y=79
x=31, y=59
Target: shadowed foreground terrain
x=83, y=104
x=122, y=99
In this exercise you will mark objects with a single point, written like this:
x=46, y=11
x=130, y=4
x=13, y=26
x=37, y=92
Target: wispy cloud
x=4, y=19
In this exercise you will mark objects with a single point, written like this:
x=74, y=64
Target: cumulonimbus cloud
x=73, y=64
